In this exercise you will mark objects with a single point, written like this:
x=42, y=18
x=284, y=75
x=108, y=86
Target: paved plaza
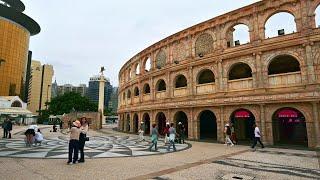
x=114, y=155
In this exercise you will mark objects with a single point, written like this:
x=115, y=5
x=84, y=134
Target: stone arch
x=204, y=43
x=278, y=12
x=181, y=116
x=205, y=76
x=161, y=85
x=283, y=64
x=146, y=88
x=289, y=127
x=208, y=125
x=228, y=31
x=239, y=70
x=129, y=94
x=180, y=81
x=137, y=69
x=135, y=123
x=161, y=120
x=161, y=58
x=146, y=123
x=147, y=64
x=136, y=91
x=314, y=7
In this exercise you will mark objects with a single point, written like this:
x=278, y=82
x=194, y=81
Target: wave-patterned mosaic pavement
x=97, y=147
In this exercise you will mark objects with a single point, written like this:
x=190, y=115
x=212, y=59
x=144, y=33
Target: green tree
x=69, y=102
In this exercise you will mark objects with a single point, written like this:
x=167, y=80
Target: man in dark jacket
x=9, y=128
x=4, y=127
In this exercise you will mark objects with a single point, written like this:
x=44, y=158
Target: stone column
x=222, y=123
x=263, y=123
x=316, y=122
x=259, y=79
x=220, y=76
x=310, y=68
x=102, y=82
x=190, y=81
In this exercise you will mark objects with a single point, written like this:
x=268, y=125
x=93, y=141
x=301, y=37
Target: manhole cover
x=237, y=176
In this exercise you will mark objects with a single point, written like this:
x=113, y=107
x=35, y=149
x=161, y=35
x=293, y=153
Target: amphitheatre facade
x=205, y=78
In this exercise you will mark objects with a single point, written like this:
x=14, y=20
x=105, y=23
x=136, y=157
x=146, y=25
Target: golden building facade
x=15, y=31
x=204, y=78
x=39, y=91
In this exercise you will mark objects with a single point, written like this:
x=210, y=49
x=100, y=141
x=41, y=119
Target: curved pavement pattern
x=97, y=147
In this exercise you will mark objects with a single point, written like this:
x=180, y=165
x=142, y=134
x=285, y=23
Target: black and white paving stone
x=97, y=147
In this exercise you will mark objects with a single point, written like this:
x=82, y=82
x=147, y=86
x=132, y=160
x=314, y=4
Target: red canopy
x=287, y=113
x=242, y=114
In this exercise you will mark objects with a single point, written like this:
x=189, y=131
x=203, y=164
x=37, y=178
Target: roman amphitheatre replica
x=204, y=77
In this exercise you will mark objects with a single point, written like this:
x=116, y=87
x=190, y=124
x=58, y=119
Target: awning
x=242, y=114
x=287, y=113
x=14, y=111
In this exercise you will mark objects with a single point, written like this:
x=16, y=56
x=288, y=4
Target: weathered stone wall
x=93, y=118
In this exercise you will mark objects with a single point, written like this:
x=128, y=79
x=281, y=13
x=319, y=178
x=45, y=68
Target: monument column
x=102, y=82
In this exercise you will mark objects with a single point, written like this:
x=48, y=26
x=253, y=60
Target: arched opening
x=238, y=35
x=181, y=81
x=138, y=69
x=146, y=89
x=283, y=64
x=280, y=24
x=208, y=125
x=129, y=94
x=124, y=96
x=161, y=122
x=161, y=85
x=317, y=16
x=147, y=65
x=16, y=104
x=136, y=91
x=242, y=121
x=182, y=117
x=240, y=71
x=135, y=123
x=204, y=45
x=129, y=74
x=146, y=121
x=206, y=76
x=128, y=123
x=122, y=126
x=289, y=127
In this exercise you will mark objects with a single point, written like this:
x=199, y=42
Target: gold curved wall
x=14, y=45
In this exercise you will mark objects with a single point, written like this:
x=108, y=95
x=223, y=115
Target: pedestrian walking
x=166, y=133
x=257, y=137
x=179, y=132
x=227, y=132
x=141, y=132
x=154, y=137
x=5, y=129
x=233, y=134
x=83, y=137
x=74, y=143
x=172, y=137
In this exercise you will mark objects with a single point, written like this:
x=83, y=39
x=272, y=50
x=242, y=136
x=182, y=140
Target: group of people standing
x=7, y=128
x=231, y=137
x=78, y=137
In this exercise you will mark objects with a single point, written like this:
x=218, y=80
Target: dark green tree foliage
x=69, y=102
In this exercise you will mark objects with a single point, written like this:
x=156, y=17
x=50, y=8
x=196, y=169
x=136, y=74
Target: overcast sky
x=79, y=36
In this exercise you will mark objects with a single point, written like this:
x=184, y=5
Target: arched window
x=16, y=104
x=137, y=69
x=161, y=85
x=146, y=89
x=238, y=35
x=124, y=96
x=129, y=94
x=129, y=74
x=147, y=65
x=280, y=24
x=240, y=71
x=206, y=76
x=283, y=64
x=161, y=59
x=181, y=81
x=204, y=45
x=136, y=91
x=317, y=17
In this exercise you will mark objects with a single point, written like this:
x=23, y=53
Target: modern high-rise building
x=39, y=86
x=81, y=89
x=113, y=104
x=15, y=31
x=93, y=90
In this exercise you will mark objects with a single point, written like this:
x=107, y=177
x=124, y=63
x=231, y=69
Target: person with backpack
x=227, y=132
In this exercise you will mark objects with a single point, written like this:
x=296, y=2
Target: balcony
x=161, y=94
x=146, y=97
x=285, y=79
x=206, y=88
x=180, y=92
x=240, y=84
